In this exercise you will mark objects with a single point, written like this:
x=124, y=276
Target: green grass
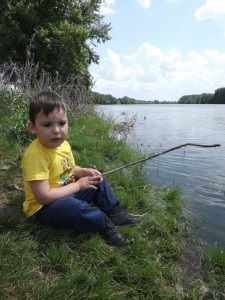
x=43, y=263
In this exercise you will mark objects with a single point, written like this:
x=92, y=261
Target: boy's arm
x=46, y=195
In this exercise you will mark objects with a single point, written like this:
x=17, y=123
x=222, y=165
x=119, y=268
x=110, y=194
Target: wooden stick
x=158, y=154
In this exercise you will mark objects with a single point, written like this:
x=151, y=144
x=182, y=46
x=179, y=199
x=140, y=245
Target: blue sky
x=162, y=49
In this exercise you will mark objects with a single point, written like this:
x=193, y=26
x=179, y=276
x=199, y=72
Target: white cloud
x=212, y=10
x=150, y=73
x=145, y=3
x=105, y=7
x=117, y=71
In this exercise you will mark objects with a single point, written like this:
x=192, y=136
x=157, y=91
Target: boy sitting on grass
x=57, y=191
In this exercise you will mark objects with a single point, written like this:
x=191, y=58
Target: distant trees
x=217, y=98
x=196, y=99
x=206, y=98
x=62, y=34
x=127, y=100
x=98, y=98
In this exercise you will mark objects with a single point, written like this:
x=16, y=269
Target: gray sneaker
x=111, y=235
x=120, y=218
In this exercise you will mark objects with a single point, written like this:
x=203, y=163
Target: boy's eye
x=62, y=123
x=46, y=125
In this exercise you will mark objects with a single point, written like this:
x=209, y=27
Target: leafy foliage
x=217, y=98
x=15, y=116
x=63, y=34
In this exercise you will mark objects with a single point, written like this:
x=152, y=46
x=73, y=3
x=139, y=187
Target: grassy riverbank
x=159, y=261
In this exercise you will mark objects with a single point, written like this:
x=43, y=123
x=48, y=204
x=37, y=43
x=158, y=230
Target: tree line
x=98, y=98
x=217, y=98
x=206, y=98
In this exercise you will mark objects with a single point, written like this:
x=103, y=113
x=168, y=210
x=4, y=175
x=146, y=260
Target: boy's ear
x=31, y=127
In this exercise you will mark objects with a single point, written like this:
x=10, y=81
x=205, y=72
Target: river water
x=199, y=172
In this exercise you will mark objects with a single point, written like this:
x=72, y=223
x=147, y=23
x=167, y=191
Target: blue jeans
x=82, y=211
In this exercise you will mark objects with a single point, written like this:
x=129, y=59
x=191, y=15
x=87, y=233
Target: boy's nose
x=56, y=129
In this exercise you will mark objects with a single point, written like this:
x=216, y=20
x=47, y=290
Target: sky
x=161, y=49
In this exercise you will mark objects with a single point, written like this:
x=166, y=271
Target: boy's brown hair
x=45, y=102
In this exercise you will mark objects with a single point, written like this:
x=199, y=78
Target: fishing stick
x=158, y=154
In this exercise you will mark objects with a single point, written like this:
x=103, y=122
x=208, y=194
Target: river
x=199, y=172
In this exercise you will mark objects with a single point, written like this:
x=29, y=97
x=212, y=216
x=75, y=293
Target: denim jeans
x=82, y=211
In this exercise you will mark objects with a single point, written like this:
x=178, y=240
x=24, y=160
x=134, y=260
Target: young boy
x=57, y=191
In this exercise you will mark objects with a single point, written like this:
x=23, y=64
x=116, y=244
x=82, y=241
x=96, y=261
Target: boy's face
x=51, y=130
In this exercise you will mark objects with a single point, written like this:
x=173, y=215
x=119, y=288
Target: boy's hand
x=84, y=172
x=89, y=182
x=92, y=172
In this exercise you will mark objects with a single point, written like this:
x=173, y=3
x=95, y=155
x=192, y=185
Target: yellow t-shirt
x=41, y=163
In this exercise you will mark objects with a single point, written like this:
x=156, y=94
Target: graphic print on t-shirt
x=68, y=175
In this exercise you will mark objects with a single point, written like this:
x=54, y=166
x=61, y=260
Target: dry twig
x=158, y=154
